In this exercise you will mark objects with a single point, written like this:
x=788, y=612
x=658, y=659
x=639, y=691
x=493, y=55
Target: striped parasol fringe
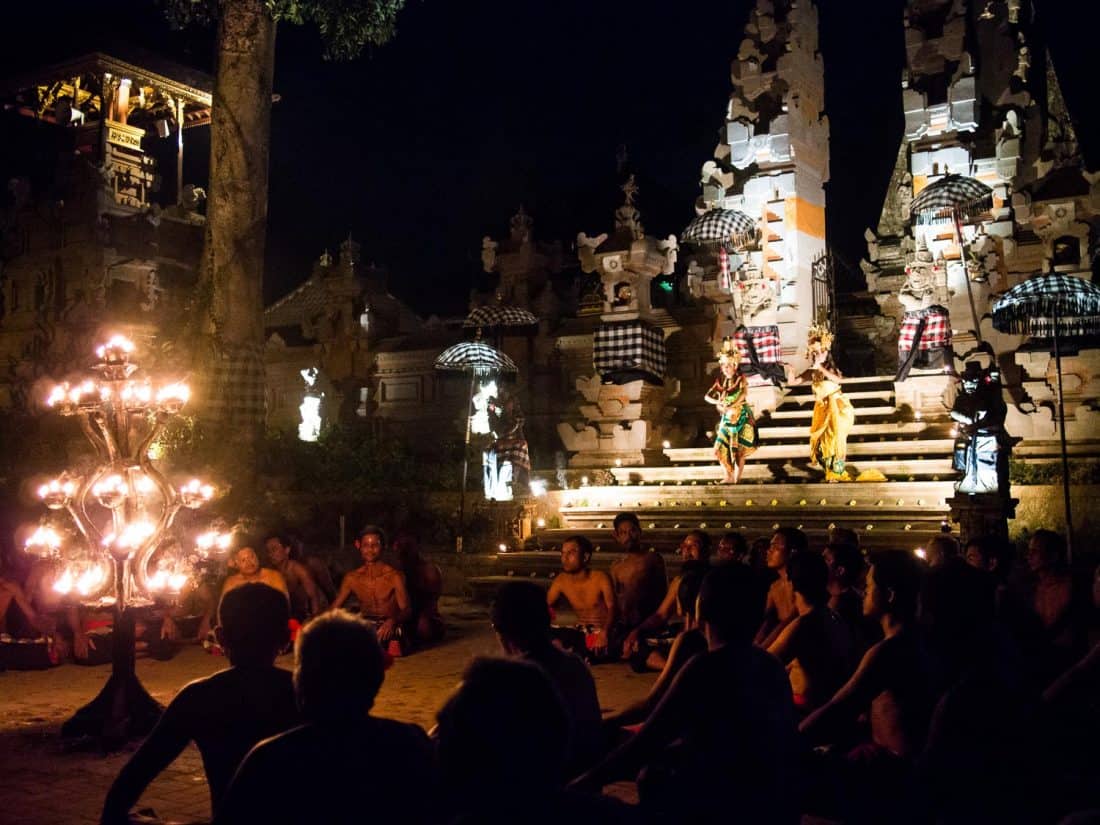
x=1042, y=326
x=966, y=212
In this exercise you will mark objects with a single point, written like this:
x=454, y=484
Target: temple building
x=100, y=228
x=982, y=99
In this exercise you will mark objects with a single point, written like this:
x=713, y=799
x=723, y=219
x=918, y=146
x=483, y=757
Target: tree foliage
x=346, y=26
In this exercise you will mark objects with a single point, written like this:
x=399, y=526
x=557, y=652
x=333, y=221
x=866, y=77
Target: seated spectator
x=976, y=765
x=424, y=581
x=503, y=747
x=1055, y=605
x=306, y=599
x=843, y=535
x=224, y=714
x=522, y=623
x=941, y=550
x=18, y=617
x=380, y=589
x=342, y=765
x=638, y=575
x=694, y=550
x=592, y=598
x=817, y=647
x=721, y=745
x=779, y=609
x=249, y=571
x=893, y=687
x=732, y=547
x=688, y=643
x=847, y=577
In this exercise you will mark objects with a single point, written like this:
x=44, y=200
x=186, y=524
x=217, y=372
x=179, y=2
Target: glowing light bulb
x=172, y=397
x=117, y=349
x=44, y=540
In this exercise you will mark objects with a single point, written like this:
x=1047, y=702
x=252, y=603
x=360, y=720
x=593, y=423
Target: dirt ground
x=46, y=780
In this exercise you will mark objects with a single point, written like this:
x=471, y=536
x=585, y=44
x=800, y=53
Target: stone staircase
x=780, y=486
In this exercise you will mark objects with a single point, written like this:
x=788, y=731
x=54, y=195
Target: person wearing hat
x=735, y=436
x=980, y=411
x=833, y=413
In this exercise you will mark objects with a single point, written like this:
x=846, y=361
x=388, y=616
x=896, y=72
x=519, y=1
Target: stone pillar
x=984, y=514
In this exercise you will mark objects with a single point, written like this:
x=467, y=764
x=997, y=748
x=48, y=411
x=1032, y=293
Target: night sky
x=422, y=146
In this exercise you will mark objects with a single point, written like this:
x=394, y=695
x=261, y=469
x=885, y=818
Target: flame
x=45, y=537
x=117, y=345
x=178, y=393
x=64, y=582
x=90, y=580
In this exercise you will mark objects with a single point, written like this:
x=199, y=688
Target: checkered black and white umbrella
x=1049, y=304
x=720, y=227
x=500, y=315
x=951, y=198
x=475, y=357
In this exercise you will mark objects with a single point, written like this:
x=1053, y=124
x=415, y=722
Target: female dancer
x=735, y=437
x=833, y=413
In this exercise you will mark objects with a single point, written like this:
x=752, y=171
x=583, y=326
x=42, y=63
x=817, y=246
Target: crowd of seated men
x=963, y=689
x=395, y=587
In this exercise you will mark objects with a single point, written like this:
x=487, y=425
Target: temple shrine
x=612, y=378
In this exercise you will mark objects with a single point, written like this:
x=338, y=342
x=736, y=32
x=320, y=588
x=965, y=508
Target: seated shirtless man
x=380, y=589
x=250, y=572
x=424, y=581
x=638, y=575
x=12, y=599
x=694, y=550
x=305, y=596
x=779, y=609
x=590, y=594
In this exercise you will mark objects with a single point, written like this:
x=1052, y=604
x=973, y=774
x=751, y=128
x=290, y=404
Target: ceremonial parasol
x=476, y=358
x=949, y=200
x=1054, y=306
x=720, y=227
x=500, y=315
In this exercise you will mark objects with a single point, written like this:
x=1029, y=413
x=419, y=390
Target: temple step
x=786, y=470
x=885, y=514
x=932, y=447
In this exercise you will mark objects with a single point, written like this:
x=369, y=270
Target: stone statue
x=488, y=254
x=924, y=339
x=506, y=463
x=981, y=449
x=521, y=224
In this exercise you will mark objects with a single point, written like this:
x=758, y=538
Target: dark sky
x=424, y=145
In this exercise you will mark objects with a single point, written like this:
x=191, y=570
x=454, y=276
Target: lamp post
x=123, y=509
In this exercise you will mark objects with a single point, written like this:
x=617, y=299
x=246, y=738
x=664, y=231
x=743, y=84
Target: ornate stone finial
x=521, y=224
x=349, y=252
x=325, y=260
x=630, y=191
x=627, y=216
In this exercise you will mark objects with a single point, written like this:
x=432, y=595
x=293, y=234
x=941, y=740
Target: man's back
x=225, y=715
x=574, y=682
x=822, y=649
x=732, y=710
x=366, y=770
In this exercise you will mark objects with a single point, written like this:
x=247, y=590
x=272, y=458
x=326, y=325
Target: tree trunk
x=236, y=219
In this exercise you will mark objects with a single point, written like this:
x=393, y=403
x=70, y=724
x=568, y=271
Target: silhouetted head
x=809, y=576
x=786, y=542
x=520, y=616
x=253, y=624
x=731, y=603
x=338, y=667
x=504, y=733
x=1046, y=550
x=941, y=549
x=893, y=585
x=627, y=531
x=846, y=564
x=733, y=547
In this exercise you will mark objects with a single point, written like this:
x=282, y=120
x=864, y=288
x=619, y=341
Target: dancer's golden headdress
x=729, y=352
x=818, y=338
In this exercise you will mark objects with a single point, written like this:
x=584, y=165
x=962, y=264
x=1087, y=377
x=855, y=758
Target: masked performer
x=736, y=432
x=833, y=413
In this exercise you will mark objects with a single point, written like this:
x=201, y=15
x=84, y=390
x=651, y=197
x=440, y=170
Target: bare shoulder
x=601, y=577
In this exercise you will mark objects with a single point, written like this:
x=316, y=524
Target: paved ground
x=48, y=781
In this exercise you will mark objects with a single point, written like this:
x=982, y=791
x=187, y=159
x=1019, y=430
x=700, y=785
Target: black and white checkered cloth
x=726, y=227
x=951, y=195
x=235, y=394
x=500, y=315
x=1030, y=308
x=629, y=346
